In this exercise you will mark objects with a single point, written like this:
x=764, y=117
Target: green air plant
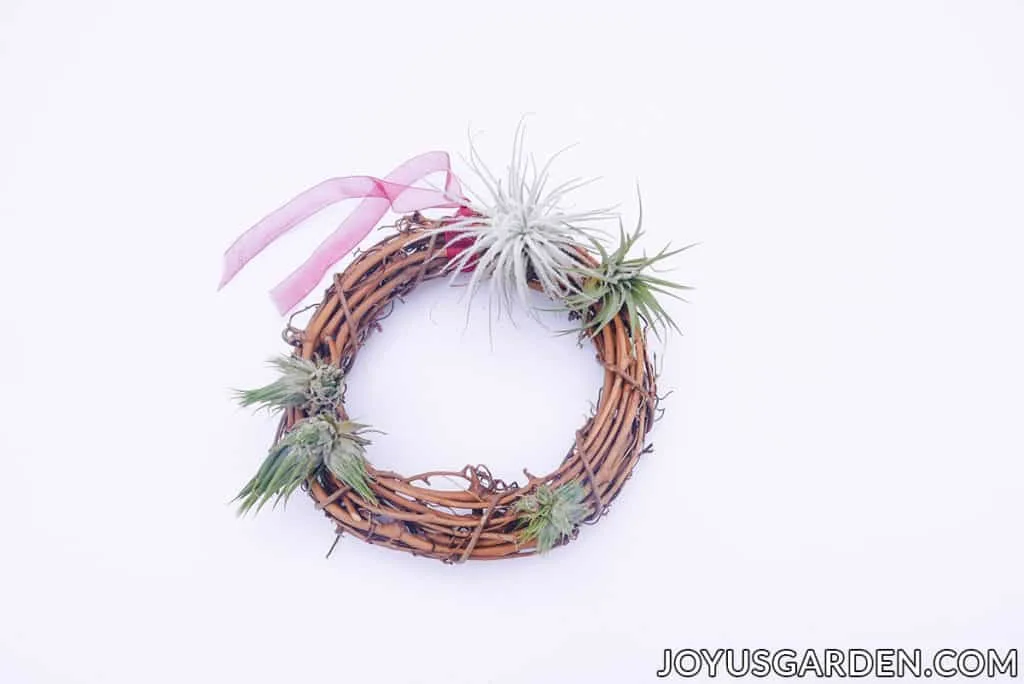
x=548, y=515
x=315, y=442
x=621, y=282
x=314, y=385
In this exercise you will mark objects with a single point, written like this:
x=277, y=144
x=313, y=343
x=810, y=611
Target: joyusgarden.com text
x=839, y=663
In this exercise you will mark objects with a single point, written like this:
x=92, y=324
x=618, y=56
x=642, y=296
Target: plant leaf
x=549, y=515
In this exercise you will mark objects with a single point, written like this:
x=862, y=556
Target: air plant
x=548, y=515
x=622, y=282
x=519, y=231
x=314, y=385
x=347, y=458
x=315, y=442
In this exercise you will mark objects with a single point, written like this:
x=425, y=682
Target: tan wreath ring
x=479, y=522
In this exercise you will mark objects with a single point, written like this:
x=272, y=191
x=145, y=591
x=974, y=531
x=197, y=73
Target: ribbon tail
x=304, y=279
x=396, y=194
x=279, y=222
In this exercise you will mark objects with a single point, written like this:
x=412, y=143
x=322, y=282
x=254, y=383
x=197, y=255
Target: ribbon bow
x=395, y=191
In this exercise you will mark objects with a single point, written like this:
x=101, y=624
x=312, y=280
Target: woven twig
x=478, y=523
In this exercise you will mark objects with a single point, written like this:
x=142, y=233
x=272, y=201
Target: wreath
x=514, y=234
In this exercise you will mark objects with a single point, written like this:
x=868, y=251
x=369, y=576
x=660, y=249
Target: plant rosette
x=516, y=236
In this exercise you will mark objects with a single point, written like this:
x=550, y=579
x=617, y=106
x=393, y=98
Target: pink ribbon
x=455, y=244
x=395, y=191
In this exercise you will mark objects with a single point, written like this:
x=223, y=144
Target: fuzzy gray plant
x=521, y=231
x=313, y=385
x=549, y=515
x=314, y=442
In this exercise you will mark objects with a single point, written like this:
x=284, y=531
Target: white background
x=840, y=462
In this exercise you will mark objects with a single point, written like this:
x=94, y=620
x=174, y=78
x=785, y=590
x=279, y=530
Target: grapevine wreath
x=515, y=235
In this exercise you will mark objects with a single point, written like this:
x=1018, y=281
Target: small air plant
x=549, y=515
x=315, y=442
x=314, y=385
x=519, y=231
x=620, y=281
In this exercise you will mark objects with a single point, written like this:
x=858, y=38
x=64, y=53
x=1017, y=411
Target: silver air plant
x=548, y=515
x=315, y=442
x=313, y=385
x=620, y=282
x=520, y=232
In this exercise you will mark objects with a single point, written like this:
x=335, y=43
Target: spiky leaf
x=549, y=515
x=292, y=461
x=622, y=283
x=313, y=385
x=317, y=441
x=347, y=459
